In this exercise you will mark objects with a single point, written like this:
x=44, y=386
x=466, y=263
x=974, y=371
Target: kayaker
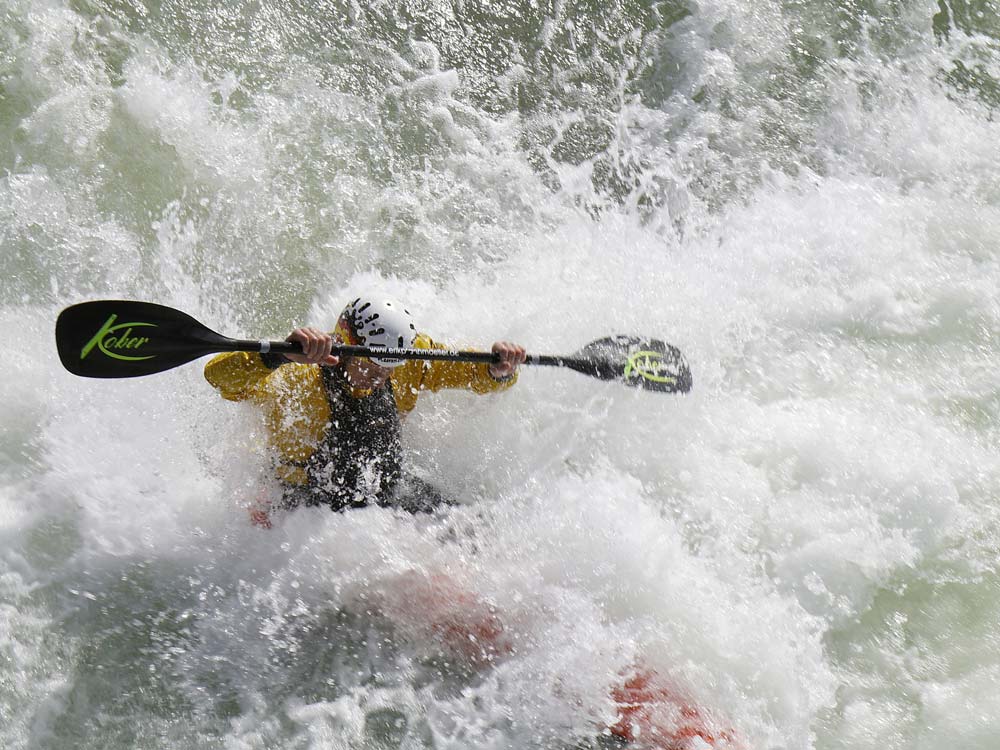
x=335, y=422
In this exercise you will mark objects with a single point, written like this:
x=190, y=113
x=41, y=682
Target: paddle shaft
x=447, y=355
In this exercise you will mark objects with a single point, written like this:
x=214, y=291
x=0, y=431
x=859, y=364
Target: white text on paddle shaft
x=112, y=345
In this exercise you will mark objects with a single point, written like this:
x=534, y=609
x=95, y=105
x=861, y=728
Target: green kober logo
x=118, y=343
x=649, y=365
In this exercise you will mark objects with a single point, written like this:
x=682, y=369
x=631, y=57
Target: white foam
x=793, y=543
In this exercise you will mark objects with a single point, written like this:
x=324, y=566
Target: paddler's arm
x=239, y=375
x=422, y=375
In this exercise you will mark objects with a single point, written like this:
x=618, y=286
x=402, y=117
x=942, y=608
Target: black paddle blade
x=642, y=363
x=125, y=339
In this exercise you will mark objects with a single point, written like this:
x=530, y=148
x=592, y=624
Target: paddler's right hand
x=316, y=345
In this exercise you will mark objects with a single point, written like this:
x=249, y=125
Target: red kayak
x=652, y=712
x=654, y=715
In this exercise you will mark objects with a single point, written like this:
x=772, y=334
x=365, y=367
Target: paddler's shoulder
x=411, y=368
x=423, y=341
x=240, y=369
x=406, y=378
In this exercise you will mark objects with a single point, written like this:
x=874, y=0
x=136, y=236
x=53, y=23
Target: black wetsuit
x=360, y=461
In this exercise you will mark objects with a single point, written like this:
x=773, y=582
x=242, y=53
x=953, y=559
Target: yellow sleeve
x=238, y=376
x=418, y=375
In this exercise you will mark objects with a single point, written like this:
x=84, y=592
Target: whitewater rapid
x=803, y=198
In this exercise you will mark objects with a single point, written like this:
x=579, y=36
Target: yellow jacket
x=294, y=401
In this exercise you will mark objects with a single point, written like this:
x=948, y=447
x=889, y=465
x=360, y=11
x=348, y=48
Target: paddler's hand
x=316, y=346
x=511, y=355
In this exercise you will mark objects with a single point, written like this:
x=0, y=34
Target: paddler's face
x=364, y=374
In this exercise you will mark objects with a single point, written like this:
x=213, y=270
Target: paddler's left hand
x=511, y=355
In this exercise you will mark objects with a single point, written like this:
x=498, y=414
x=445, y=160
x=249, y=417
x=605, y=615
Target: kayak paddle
x=126, y=339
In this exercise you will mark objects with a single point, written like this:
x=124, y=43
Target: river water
x=804, y=196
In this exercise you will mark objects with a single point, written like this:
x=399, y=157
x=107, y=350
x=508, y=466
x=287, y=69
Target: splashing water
x=800, y=195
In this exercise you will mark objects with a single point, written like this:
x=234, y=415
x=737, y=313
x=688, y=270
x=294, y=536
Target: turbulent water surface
x=803, y=195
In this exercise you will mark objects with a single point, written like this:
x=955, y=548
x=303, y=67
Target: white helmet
x=380, y=322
